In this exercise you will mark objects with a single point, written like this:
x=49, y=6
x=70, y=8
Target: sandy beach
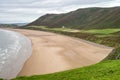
x=53, y=53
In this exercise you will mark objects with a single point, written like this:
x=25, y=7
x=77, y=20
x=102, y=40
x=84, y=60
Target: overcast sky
x=20, y=11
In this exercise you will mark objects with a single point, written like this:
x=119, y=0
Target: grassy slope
x=108, y=69
x=88, y=18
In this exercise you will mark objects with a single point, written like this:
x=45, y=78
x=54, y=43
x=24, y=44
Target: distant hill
x=7, y=25
x=87, y=18
x=13, y=25
x=20, y=24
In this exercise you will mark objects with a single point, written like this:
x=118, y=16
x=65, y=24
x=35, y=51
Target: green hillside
x=107, y=70
x=87, y=18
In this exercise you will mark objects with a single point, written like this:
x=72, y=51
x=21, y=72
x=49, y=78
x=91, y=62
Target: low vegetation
x=108, y=37
x=108, y=69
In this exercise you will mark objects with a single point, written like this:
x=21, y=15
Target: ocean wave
x=15, y=49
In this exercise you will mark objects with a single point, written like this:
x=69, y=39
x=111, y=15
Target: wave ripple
x=15, y=49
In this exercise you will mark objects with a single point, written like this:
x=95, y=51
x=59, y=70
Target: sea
x=15, y=49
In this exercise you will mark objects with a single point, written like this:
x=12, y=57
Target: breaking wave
x=15, y=49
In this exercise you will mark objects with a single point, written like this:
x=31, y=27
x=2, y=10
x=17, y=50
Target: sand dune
x=53, y=53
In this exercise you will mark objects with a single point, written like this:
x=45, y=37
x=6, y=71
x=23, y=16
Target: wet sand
x=53, y=53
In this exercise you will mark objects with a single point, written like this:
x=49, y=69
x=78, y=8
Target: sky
x=25, y=11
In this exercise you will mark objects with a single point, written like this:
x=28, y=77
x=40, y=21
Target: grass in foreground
x=107, y=70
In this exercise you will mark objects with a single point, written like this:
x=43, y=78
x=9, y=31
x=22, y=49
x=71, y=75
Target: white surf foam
x=15, y=49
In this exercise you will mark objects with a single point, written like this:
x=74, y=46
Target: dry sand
x=53, y=53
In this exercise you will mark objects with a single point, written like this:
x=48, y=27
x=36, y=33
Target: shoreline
x=53, y=53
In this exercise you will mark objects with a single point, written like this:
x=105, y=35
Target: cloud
x=29, y=10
